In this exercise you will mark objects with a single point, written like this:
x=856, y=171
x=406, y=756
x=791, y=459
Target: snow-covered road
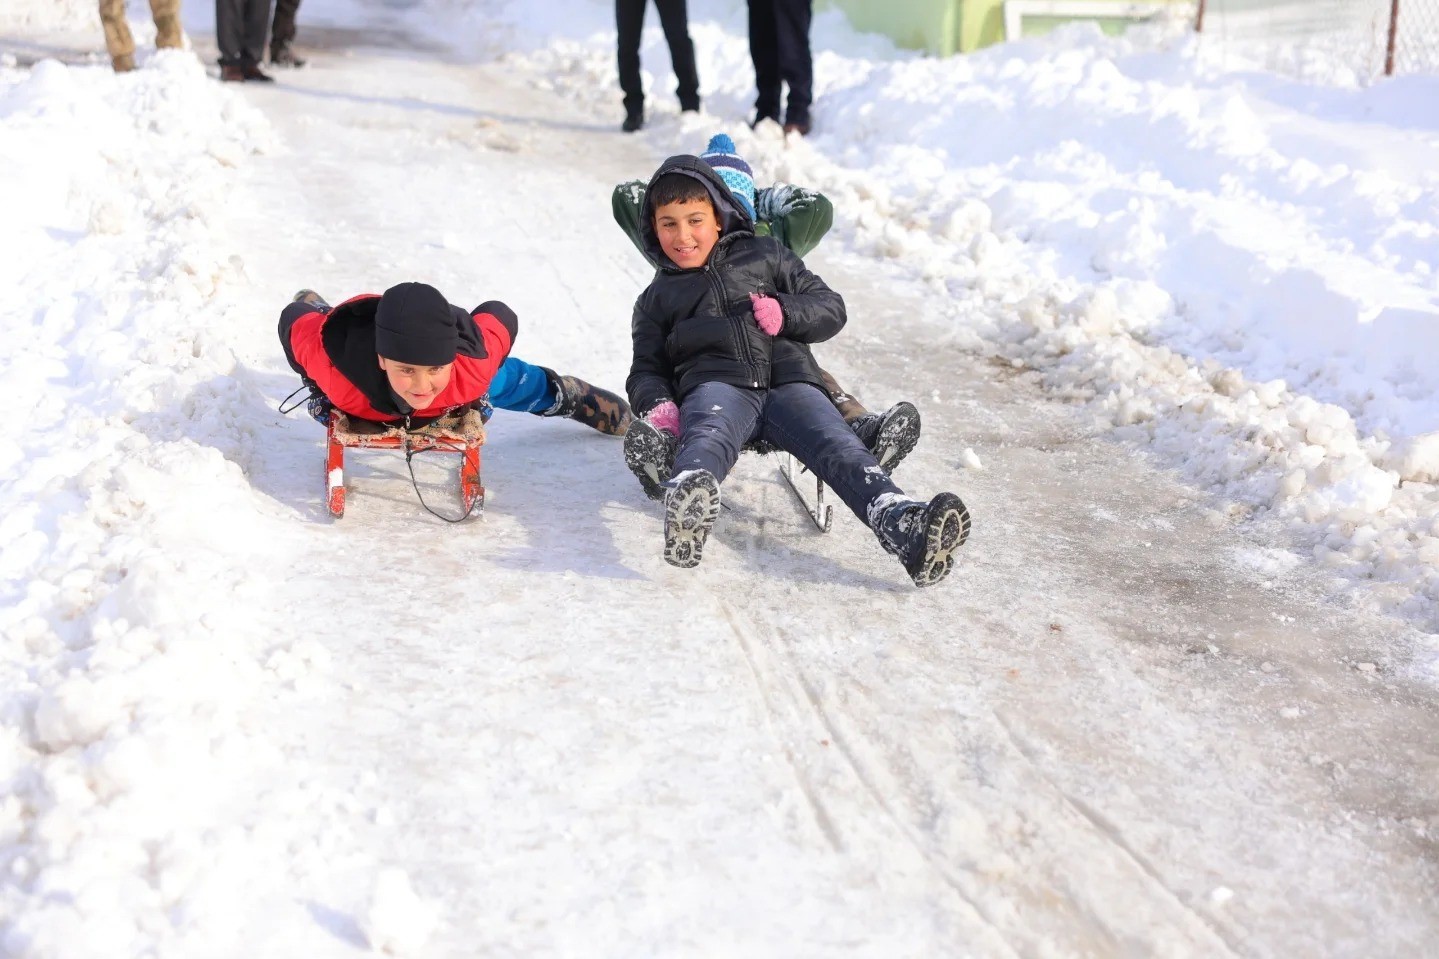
x=1123, y=727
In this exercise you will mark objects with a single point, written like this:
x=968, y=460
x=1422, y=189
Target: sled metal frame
x=812, y=500
x=432, y=437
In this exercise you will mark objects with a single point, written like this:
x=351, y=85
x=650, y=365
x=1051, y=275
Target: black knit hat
x=414, y=324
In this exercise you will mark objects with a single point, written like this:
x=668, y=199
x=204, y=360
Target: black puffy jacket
x=693, y=326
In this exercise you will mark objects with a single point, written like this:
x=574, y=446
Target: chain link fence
x=1314, y=39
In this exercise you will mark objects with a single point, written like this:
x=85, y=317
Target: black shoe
x=231, y=73
x=797, y=126
x=284, y=56
x=596, y=408
x=650, y=455
x=924, y=537
x=692, y=504
x=633, y=121
x=890, y=436
x=760, y=118
x=251, y=71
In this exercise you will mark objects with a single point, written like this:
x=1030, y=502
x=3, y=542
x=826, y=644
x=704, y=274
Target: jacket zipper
x=743, y=343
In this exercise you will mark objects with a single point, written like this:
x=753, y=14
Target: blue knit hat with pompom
x=720, y=154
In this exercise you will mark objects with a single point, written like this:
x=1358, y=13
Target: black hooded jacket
x=697, y=325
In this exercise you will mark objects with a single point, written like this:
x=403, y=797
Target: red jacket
x=334, y=352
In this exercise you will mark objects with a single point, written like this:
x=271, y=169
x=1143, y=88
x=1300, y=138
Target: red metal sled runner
x=463, y=434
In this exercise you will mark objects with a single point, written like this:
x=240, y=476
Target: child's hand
x=319, y=407
x=665, y=418
x=767, y=313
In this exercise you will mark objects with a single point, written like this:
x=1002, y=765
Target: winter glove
x=319, y=407
x=665, y=418
x=767, y=313
x=484, y=407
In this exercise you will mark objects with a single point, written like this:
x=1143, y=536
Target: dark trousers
x=240, y=27
x=630, y=19
x=717, y=420
x=282, y=31
x=779, y=47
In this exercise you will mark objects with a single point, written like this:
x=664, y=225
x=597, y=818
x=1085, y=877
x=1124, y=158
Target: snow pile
x=129, y=650
x=55, y=14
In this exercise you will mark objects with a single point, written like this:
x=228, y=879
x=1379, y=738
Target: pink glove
x=767, y=313
x=665, y=418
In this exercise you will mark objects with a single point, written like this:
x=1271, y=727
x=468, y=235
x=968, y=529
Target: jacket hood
x=733, y=218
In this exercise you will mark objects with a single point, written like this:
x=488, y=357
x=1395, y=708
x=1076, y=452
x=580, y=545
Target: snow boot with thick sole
x=650, y=455
x=891, y=435
x=692, y=504
x=925, y=536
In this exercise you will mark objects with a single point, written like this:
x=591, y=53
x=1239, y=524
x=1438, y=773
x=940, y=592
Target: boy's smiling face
x=687, y=231
x=417, y=385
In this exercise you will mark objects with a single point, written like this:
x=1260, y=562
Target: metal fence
x=1368, y=37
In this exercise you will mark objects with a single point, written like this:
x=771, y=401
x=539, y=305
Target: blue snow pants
x=522, y=387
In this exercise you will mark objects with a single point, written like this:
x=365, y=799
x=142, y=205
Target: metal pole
x=1393, y=33
x=1199, y=18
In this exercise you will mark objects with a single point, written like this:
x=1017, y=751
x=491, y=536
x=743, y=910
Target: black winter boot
x=890, y=435
x=924, y=537
x=692, y=504
x=596, y=408
x=650, y=455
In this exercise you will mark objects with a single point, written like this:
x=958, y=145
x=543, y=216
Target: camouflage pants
x=117, y=31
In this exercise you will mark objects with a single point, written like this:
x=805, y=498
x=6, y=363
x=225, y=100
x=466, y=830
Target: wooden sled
x=463, y=434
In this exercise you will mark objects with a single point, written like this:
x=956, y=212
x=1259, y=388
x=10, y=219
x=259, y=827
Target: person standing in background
x=240, y=27
x=674, y=19
x=121, y=44
x=779, y=47
x=282, y=35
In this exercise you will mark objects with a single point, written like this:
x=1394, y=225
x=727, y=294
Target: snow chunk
x=398, y=922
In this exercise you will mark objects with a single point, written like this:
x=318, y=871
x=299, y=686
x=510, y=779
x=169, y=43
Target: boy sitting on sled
x=798, y=219
x=409, y=357
x=721, y=357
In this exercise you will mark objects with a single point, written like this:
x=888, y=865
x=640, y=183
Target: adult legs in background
x=240, y=27
x=674, y=19
x=630, y=22
x=282, y=34
x=792, y=18
x=764, y=53
x=119, y=42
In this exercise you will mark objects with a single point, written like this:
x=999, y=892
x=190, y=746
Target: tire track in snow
x=1114, y=836
x=780, y=668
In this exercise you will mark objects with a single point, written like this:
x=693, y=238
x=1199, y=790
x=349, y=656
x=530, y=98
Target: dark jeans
x=240, y=27
x=717, y=420
x=779, y=47
x=630, y=19
x=282, y=31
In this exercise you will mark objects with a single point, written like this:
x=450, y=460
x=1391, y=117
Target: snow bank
x=130, y=650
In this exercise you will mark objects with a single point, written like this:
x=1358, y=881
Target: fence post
x=1393, y=32
x=1199, y=18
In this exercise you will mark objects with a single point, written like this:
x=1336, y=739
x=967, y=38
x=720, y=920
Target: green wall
x=940, y=27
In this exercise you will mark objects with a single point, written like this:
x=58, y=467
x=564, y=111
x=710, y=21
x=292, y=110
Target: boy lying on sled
x=408, y=357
